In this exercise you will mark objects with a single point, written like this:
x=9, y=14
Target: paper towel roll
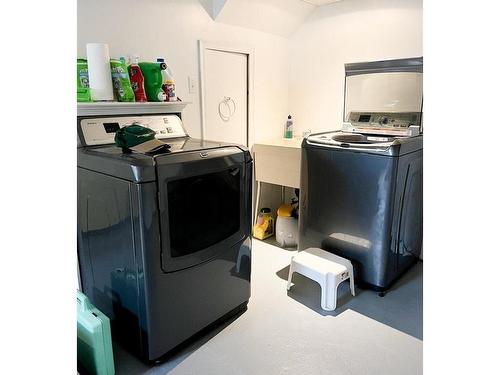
x=101, y=85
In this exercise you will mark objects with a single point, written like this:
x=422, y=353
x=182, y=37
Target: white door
x=225, y=96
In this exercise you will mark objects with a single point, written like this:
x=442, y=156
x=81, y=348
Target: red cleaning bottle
x=137, y=80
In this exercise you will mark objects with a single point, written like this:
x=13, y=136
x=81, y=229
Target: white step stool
x=328, y=269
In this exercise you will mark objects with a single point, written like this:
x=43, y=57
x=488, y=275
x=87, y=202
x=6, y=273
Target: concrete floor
x=288, y=333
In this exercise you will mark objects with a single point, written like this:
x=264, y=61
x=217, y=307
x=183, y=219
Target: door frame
x=227, y=47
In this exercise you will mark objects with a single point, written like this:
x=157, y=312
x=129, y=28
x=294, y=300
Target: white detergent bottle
x=289, y=127
x=168, y=85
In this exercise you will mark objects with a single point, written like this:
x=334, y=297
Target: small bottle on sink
x=289, y=127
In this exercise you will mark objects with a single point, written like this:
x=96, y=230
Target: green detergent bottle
x=153, y=80
x=121, y=81
x=82, y=81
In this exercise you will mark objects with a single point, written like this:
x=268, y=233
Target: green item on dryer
x=133, y=135
x=82, y=81
x=153, y=80
x=121, y=81
x=94, y=347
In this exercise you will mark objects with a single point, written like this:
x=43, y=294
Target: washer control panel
x=101, y=130
x=384, y=119
x=403, y=124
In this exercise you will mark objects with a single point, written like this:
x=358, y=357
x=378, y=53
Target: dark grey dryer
x=163, y=240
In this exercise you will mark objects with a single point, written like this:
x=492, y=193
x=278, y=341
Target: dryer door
x=202, y=199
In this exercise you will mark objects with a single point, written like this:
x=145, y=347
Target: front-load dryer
x=163, y=240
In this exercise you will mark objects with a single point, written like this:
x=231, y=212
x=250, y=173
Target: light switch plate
x=193, y=84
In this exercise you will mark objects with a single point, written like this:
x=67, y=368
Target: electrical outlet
x=193, y=84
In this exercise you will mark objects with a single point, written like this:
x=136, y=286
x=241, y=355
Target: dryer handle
x=232, y=152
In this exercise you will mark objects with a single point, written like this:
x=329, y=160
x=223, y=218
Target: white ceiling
x=320, y=2
x=280, y=17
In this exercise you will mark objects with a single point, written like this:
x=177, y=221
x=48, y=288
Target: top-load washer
x=361, y=186
x=163, y=240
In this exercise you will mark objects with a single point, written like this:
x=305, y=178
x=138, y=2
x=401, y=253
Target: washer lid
x=384, y=95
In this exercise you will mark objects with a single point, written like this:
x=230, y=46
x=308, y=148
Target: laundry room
x=248, y=187
x=254, y=74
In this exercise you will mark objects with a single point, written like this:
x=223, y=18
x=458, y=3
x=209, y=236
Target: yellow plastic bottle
x=265, y=224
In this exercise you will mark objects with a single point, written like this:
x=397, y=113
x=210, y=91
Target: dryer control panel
x=101, y=130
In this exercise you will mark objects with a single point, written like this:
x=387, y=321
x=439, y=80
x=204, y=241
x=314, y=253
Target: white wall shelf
x=128, y=108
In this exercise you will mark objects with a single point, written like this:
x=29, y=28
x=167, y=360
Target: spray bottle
x=137, y=79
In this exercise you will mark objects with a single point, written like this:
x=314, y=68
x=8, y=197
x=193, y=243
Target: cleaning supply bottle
x=289, y=127
x=169, y=85
x=168, y=81
x=153, y=80
x=137, y=79
x=82, y=81
x=121, y=82
x=264, y=227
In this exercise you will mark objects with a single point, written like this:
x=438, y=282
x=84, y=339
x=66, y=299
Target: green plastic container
x=94, y=348
x=82, y=81
x=133, y=135
x=121, y=81
x=153, y=80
